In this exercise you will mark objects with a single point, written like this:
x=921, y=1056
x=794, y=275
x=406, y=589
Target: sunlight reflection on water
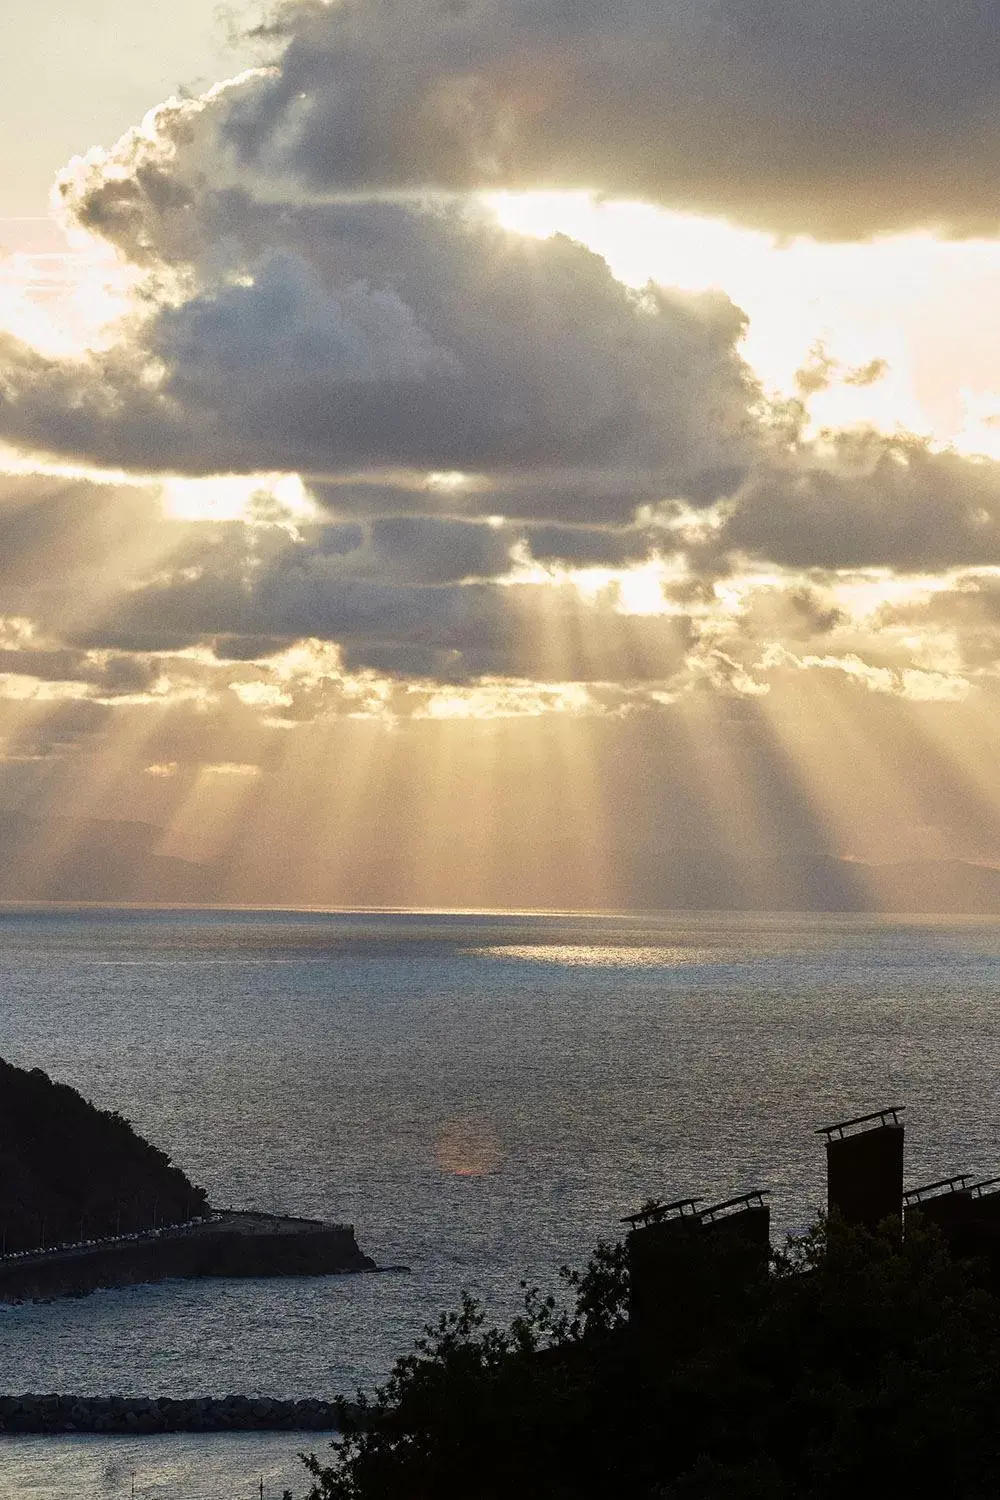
x=589, y=956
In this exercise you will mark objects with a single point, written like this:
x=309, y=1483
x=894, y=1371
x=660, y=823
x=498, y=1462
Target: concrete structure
x=948, y=1205
x=681, y=1256
x=740, y=1228
x=662, y=1241
x=228, y=1244
x=864, y=1169
x=132, y=1415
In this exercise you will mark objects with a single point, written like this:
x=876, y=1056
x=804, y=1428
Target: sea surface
x=482, y=1096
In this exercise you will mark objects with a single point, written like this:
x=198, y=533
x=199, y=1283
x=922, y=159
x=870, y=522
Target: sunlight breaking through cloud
x=515, y=466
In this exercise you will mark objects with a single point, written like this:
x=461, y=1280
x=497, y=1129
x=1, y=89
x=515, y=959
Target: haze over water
x=482, y=1096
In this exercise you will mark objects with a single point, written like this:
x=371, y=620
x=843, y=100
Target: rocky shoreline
x=30, y=1413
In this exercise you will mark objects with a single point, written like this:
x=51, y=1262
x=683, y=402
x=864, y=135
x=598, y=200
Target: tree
x=859, y=1365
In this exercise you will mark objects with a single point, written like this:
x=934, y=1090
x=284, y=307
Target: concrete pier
x=227, y=1243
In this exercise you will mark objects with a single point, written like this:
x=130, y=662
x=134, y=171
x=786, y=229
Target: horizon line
x=16, y=904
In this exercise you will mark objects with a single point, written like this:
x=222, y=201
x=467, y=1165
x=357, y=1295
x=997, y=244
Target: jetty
x=228, y=1242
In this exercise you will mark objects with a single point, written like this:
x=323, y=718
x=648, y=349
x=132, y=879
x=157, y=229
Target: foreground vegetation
x=858, y=1366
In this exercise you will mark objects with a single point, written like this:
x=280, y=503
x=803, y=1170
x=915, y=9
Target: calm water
x=483, y=1097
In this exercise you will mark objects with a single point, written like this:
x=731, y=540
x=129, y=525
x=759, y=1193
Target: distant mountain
x=711, y=879
x=946, y=886
x=93, y=859
x=115, y=862
x=70, y=1171
x=801, y=880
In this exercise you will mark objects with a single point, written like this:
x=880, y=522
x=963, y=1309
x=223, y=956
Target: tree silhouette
x=859, y=1365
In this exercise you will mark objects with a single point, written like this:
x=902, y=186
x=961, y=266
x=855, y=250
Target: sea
x=483, y=1096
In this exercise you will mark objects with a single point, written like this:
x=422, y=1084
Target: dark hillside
x=69, y=1171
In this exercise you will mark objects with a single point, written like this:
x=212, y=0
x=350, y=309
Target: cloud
x=606, y=497
x=101, y=590
x=470, y=408
x=302, y=331
x=55, y=728
x=842, y=120
x=423, y=549
x=432, y=549
x=450, y=631
x=590, y=546
x=53, y=528
x=863, y=500
x=111, y=676
x=377, y=337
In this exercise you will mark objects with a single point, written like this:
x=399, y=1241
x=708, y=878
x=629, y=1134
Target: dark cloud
x=590, y=546
x=426, y=549
x=868, y=501
x=390, y=337
x=462, y=632
x=111, y=676
x=841, y=120
x=247, y=647
x=605, y=497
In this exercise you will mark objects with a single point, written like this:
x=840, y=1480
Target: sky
x=501, y=454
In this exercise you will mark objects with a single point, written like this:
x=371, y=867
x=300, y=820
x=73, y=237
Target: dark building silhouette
x=740, y=1228
x=864, y=1168
x=662, y=1244
x=949, y=1206
x=684, y=1259
x=986, y=1197
x=681, y=1257
x=979, y=1238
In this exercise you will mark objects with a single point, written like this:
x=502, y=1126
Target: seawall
x=144, y=1414
x=226, y=1244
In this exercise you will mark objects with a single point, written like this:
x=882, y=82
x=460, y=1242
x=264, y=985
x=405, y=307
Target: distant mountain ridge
x=116, y=863
x=92, y=859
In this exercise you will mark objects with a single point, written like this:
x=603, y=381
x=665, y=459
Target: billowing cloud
x=374, y=336
x=841, y=120
x=478, y=416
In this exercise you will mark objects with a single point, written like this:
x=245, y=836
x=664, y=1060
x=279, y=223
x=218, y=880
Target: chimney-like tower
x=661, y=1245
x=948, y=1205
x=741, y=1229
x=976, y=1232
x=683, y=1261
x=864, y=1168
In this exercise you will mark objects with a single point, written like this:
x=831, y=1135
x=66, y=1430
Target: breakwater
x=238, y=1244
x=32, y=1413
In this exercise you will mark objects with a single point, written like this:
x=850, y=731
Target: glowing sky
x=507, y=454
